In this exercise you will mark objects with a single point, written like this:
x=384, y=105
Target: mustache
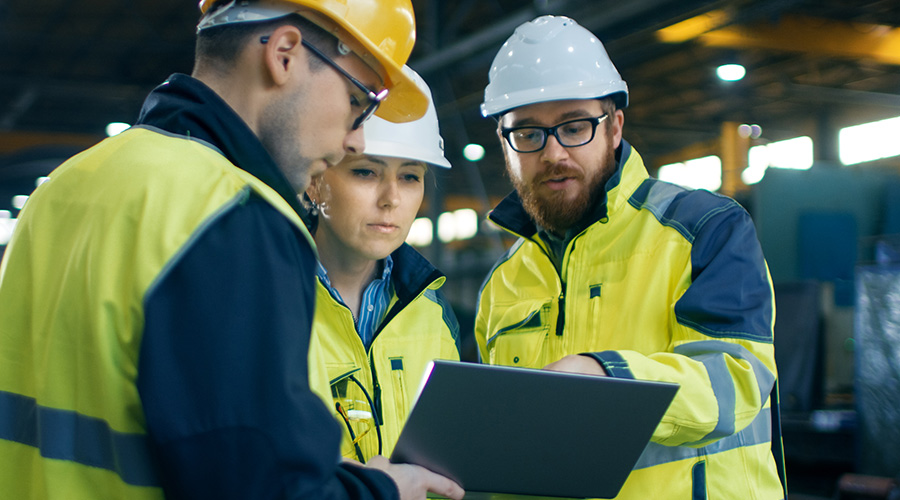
x=557, y=171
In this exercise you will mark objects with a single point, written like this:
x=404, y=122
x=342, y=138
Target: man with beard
x=617, y=274
x=158, y=293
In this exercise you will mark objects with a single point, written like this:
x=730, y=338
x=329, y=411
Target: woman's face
x=367, y=204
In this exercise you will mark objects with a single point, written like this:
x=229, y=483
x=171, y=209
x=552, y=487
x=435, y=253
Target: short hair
x=221, y=45
x=609, y=106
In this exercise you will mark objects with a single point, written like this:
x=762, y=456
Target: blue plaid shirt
x=375, y=300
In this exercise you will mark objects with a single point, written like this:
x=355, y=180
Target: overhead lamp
x=748, y=131
x=731, y=72
x=473, y=152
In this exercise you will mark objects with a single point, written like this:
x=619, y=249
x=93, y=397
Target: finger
x=443, y=486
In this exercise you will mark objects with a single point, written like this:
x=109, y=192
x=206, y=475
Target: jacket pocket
x=519, y=340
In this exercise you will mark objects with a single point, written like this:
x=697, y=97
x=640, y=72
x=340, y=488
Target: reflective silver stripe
x=723, y=388
x=67, y=435
x=658, y=199
x=758, y=432
x=712, y=354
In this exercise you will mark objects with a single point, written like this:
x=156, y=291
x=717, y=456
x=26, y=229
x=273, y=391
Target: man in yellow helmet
x=158, y=293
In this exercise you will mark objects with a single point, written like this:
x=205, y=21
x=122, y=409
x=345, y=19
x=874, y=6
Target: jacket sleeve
x=223, y=369
x=721, y=331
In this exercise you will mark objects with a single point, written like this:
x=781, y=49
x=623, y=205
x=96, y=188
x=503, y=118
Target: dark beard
x=555, y=213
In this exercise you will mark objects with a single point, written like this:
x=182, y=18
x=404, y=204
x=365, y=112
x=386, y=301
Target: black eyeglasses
x=570, y=134
x=375, y=98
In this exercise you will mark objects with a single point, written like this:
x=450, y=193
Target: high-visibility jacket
x=419, y=326
x=157, y=298
x=665, y=284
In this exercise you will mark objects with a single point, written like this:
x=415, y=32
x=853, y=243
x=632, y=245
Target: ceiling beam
x=11, y=142
x=492, y=38
x=808, y=35
x=845, y=97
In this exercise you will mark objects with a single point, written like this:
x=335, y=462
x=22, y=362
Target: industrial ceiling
x=69, y=67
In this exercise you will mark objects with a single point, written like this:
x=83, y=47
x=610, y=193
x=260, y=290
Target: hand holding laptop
x=576, y=363
x=414, y=481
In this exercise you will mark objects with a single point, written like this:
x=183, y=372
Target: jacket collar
x=511, y=215
x=412, y=273
x=185, y=106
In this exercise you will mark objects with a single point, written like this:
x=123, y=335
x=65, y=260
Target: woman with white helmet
x=380, y=317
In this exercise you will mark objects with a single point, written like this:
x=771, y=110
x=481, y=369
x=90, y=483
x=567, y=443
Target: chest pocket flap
x=519, y=333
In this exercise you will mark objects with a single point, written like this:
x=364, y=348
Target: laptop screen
x=503, y=430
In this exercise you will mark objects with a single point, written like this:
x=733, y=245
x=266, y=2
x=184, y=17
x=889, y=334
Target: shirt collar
x=322, y=273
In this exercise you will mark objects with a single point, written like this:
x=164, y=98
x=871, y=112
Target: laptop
x=503, y=432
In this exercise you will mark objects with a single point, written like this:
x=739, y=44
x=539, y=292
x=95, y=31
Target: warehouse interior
x=828, y=221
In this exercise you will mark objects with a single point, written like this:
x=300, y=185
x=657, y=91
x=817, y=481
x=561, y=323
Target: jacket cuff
x=613, y=362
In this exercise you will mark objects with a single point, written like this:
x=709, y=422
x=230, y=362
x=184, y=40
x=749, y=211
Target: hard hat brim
x=389, y=150
x=494, y=106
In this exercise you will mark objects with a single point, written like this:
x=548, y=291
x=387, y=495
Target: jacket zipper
x=561, y=317
x=376, y=397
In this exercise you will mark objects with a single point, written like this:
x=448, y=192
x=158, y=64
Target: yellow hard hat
x=381, y=32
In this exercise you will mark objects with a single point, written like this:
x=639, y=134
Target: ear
x=283, y=52
x=313, y=190
x=617, y=121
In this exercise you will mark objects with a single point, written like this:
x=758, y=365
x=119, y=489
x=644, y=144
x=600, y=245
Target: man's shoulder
x=143, y=155
x=683, y=208
x=170, y=149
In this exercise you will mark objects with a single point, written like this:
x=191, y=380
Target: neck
x=235, y=88
x=348, y=275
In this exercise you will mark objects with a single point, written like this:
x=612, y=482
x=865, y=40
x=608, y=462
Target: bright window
x=420, y=233
x=869, y=141
x=699, y=173
x=796, y=153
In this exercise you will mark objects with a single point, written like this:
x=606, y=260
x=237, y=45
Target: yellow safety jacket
x=662, y=284
x=418, y=327
x=156, y=301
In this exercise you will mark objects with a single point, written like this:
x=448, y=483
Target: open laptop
x=502, y=431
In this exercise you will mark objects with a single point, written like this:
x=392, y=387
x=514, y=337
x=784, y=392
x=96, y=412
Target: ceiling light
x=731, y=72
x=473, y=152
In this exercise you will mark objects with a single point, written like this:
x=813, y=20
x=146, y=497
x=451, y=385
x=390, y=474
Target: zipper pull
x=561, y=317
x=376, y=397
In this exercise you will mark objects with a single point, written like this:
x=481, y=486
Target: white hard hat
x=418, y=140
x=548, y=59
